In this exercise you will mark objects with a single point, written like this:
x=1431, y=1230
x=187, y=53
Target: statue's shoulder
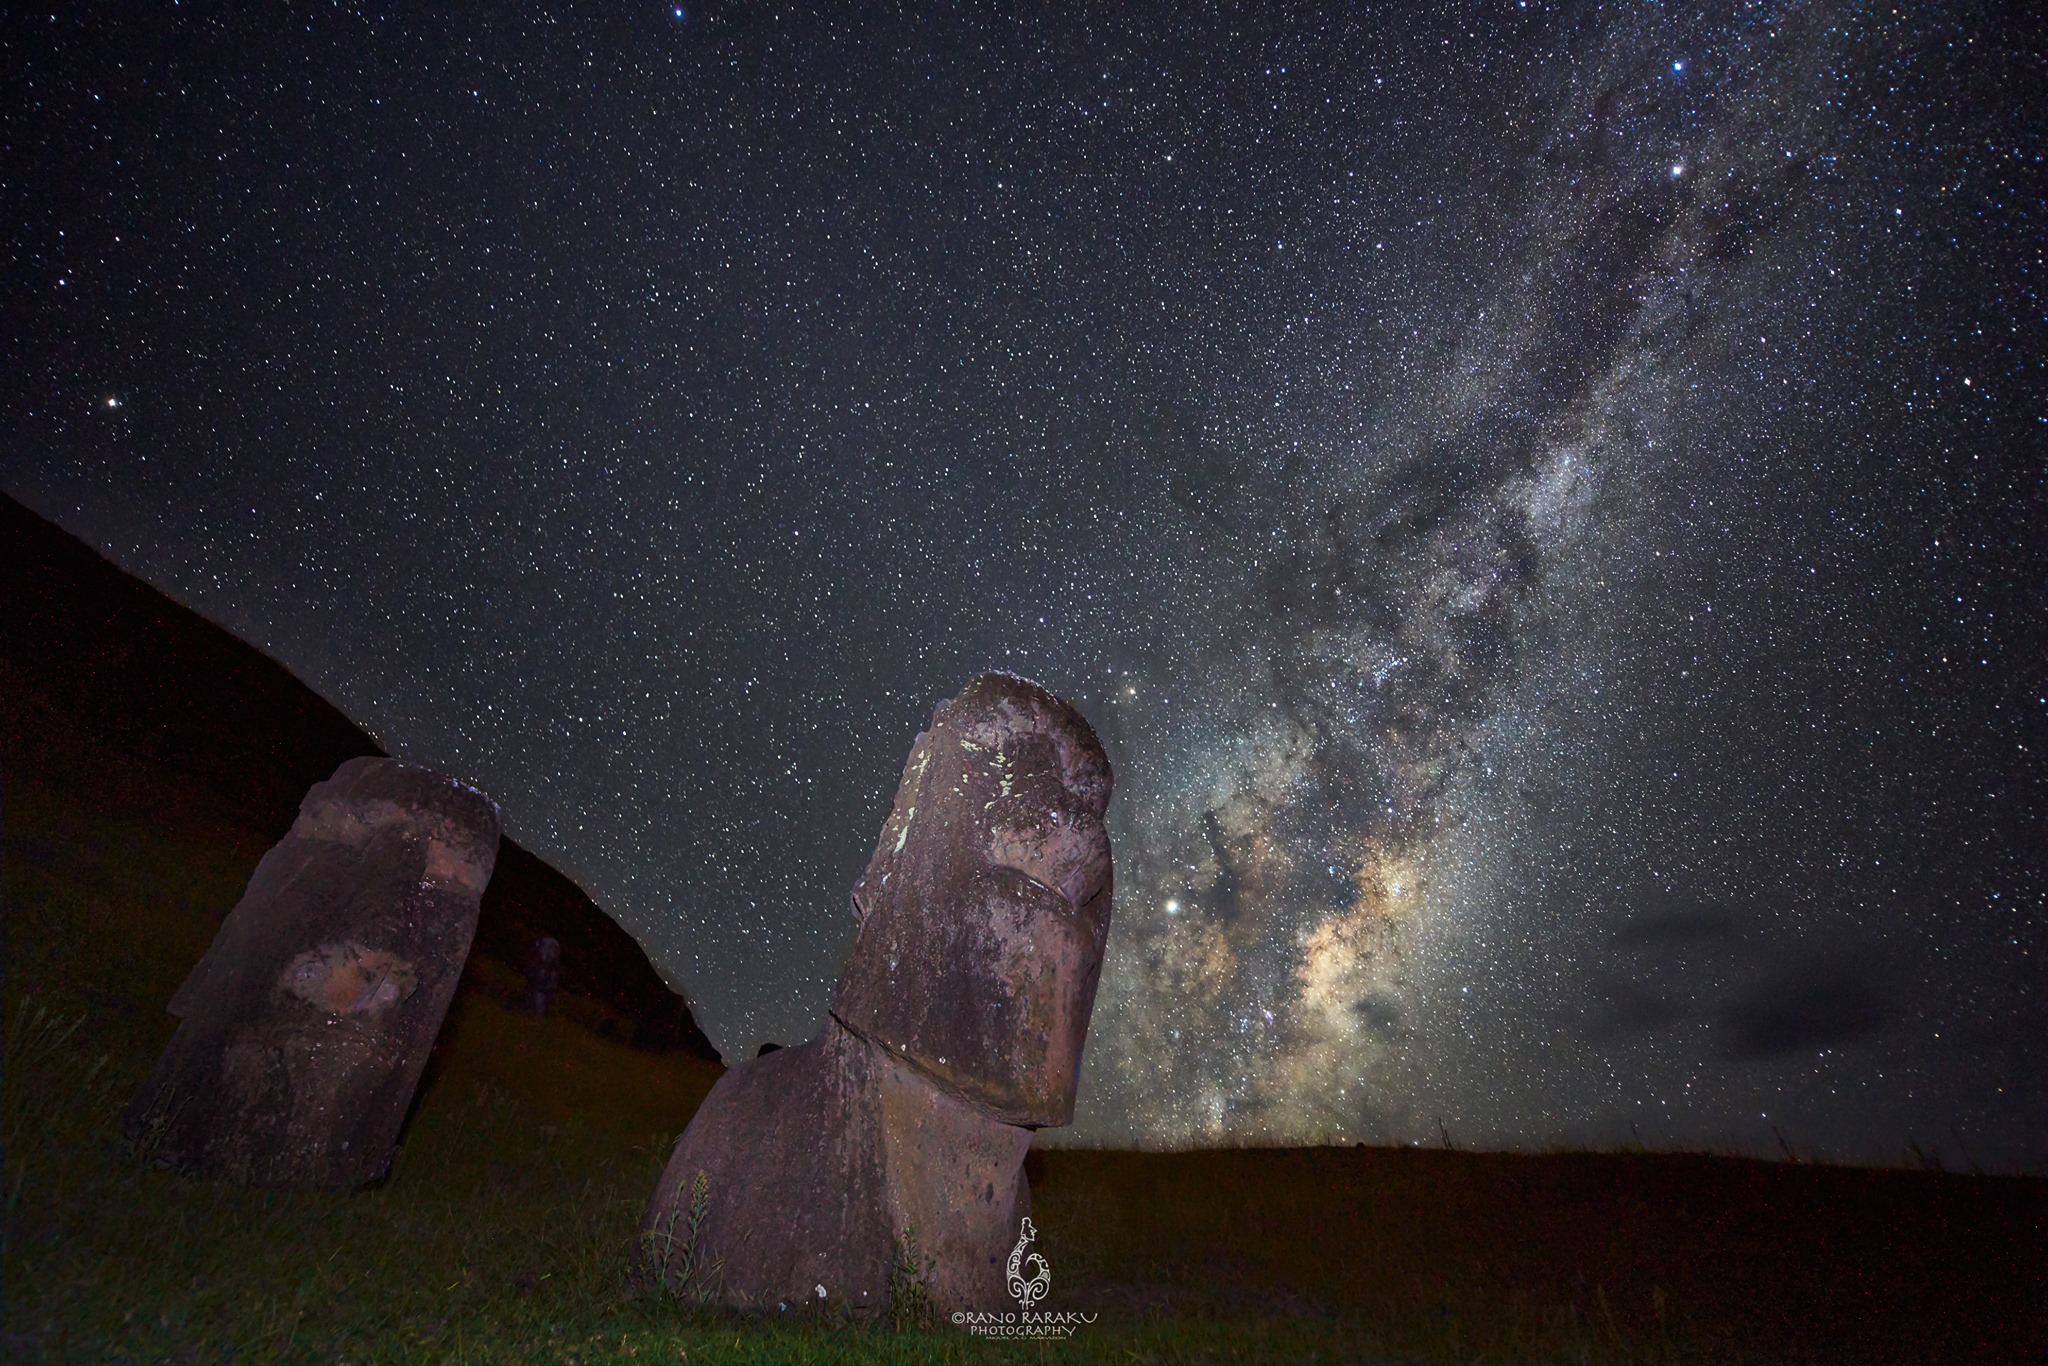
x=786, y=1108
x=792, y=1181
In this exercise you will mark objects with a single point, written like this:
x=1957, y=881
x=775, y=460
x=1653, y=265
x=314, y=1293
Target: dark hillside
x=142, y=678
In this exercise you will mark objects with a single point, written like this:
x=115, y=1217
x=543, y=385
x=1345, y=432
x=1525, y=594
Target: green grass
x=506, y=1230
x=498, y=1237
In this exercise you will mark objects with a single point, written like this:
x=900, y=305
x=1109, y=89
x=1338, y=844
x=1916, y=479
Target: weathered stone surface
x=956, y=1029
x=306, y=1025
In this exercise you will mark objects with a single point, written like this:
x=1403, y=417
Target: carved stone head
x=985, y=908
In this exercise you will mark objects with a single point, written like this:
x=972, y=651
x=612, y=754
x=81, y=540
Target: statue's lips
x=997, y=1011
x=1067, y=853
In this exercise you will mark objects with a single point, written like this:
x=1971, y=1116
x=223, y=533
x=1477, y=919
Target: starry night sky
x=1543, y=504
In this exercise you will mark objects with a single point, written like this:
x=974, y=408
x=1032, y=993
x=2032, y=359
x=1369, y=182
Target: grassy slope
x=1452, y=1256
x=504, y=1231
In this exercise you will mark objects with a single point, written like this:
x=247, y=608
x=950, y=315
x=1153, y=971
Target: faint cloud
x=1680, y=925
x=1623, y=1008
x=1808, y=1005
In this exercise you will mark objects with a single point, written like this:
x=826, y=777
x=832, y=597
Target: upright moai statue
x=543, y=975
x=305, y=1027
x=955, y=1031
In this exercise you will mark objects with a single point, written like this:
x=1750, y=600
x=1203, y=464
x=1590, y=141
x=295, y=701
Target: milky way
x=1431, y=561
x=1543, y=504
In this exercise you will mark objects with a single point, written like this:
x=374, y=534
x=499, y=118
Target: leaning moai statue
x=955, y=1031
x=306, y=1025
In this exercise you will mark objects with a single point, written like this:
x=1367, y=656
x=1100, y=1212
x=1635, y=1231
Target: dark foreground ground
x=505, y=1232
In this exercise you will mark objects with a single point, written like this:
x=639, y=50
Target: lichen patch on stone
x=348, y=979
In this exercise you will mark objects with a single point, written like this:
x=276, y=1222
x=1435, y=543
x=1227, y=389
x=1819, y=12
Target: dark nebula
x=1543, y=503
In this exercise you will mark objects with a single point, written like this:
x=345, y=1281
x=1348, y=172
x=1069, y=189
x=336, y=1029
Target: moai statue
x=955, y=1031
x=543, y=976
x=306, y=1025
